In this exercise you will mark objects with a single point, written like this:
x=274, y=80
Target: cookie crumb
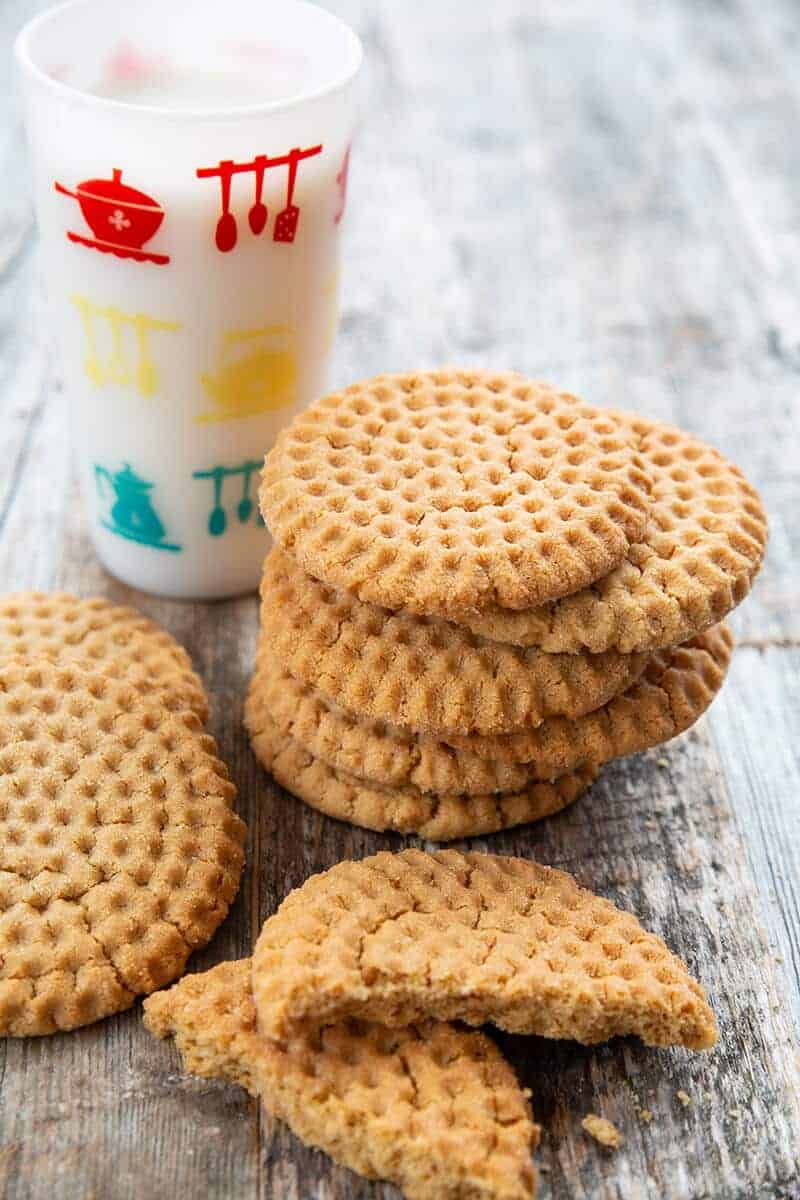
x=644, y=1114
x=602, y=1131
x=684, y=1097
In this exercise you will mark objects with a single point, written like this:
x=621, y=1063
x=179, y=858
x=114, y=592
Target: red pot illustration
x=121, y=217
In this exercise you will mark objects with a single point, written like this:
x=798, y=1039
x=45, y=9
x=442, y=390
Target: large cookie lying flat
x=471, y=937
x=434, y=1109
x=421, y=673
x=104, y=637
x=119, y=849
x=438, y=491
x=700, y=552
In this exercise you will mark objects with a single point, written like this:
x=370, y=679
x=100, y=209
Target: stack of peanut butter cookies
x=483, y=589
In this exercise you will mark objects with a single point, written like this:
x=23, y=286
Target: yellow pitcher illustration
x=118, y=345
x=256, y=373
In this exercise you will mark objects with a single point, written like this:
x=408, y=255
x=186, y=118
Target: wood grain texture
x=606, y=196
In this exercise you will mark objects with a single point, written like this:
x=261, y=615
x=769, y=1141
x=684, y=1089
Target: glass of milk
x=190, y=175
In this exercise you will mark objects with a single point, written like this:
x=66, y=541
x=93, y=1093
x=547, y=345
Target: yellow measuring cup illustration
x=256, y=372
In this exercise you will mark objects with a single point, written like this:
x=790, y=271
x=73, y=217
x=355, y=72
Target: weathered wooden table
x=605, y=195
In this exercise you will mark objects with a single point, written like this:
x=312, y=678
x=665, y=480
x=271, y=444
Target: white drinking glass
x=190, y=169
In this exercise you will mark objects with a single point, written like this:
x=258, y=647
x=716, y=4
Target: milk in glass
x=190, y=187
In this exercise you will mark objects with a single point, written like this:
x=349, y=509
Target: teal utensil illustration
x=218, y=521
x=245, y=507
x=132, y=514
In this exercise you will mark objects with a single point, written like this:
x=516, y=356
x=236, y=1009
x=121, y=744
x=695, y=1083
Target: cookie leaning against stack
x=120, y=852
x=477, y=596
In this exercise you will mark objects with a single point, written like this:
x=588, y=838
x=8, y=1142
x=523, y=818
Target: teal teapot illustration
x=132, y=514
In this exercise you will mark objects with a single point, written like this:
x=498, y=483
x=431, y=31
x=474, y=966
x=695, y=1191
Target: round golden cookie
x=103, y=636
x=422, y=673
x=119, y=849
x=676, y=688
x=474, y=938
x=701, y=550
x=440, y=491
x=404, y=810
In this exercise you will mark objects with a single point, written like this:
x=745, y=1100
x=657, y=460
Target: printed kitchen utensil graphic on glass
x=226, y=232
x=119, y=347
x=255, y=372
x=121, y=218
x=341, y=183
x=130, y=510
x=245, y=507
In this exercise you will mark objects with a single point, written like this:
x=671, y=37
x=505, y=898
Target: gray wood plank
x=605, y=196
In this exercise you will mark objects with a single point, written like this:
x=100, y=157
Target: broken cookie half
x=339, y=1022
x=433, y=1108
x=471, y=937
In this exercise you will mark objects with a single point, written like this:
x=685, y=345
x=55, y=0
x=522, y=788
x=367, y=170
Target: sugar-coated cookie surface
x=444, y=491
x=422, y=673
x=476, y=938
x=440, y=818
x=432, y=1108
x=700, y=552
x=119, y=849
x=103, y=636
x=676, y=688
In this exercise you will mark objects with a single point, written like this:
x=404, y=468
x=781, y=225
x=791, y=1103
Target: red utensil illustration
x=121, y=218
x=226, y=225
x=286, y=221
x=341, y=180
x=258, y=213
